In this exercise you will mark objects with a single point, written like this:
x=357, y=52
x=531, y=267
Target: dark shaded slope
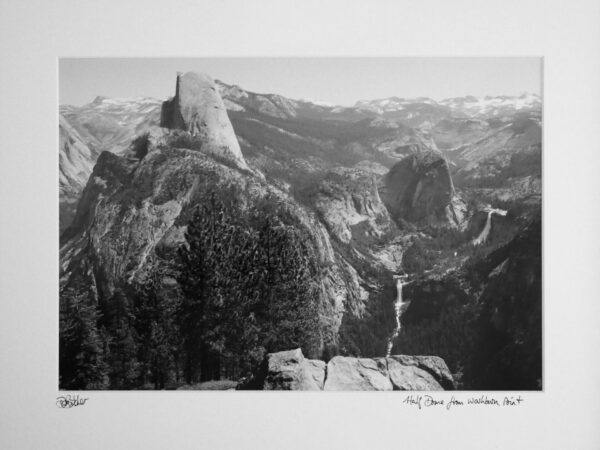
x=508, y=352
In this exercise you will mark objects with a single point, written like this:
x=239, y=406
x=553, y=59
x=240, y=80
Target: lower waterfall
x=399, y=307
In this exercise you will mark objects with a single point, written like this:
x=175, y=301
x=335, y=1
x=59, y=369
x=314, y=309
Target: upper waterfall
x=482, y=237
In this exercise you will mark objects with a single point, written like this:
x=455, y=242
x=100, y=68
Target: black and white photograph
x=285, y=224
x=291, y=224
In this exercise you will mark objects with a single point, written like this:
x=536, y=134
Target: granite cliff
x=419, y=189
x=198, y=109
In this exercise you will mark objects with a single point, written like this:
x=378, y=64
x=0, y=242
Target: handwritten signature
x=423, y=401
x=69, y=401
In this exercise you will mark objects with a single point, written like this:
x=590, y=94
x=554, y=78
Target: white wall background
x=34, y=34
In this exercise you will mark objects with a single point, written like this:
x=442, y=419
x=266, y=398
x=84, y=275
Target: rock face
x=76, y=161
x=198, y=109
x=419, y=189
x=419, y=373
x=289, y=370
x=357, y=374
x=348, y=201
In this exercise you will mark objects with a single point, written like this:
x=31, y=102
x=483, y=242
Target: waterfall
x=399, y=307
x=485, y=232
x=488, y=226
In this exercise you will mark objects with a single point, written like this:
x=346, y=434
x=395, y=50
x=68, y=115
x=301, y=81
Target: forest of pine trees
x=244, y=283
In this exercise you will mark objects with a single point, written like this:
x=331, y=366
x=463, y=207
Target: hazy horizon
x=338, y=81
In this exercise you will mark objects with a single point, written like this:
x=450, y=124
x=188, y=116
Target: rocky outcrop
x=419, y=373
x=357, y=374
x=289, y=370
x=198, y=109
x=349, y=204
x=419, y=189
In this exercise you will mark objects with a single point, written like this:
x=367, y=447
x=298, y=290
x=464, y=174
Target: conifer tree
x=201, y=278
x=81, y=356
x=122, y=342
x=156, y=328
x=249, y=283
x=289, y=289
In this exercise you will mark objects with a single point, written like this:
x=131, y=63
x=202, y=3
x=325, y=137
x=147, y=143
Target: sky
x=339, y=81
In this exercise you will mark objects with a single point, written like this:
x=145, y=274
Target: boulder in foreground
x=289, y=370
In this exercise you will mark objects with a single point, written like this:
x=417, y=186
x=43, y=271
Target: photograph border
x=35, y=34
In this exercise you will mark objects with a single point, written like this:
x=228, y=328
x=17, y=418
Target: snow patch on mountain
x=470, y=106
x=390, y=104
x=493, y=106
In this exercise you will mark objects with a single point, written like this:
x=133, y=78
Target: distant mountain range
x=459, y=106
x=313, y=136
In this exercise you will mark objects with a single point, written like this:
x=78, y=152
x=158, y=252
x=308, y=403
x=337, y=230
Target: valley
x=223, y=234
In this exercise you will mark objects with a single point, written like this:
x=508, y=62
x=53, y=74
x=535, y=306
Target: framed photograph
x=283, y=225
x=228, y=239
